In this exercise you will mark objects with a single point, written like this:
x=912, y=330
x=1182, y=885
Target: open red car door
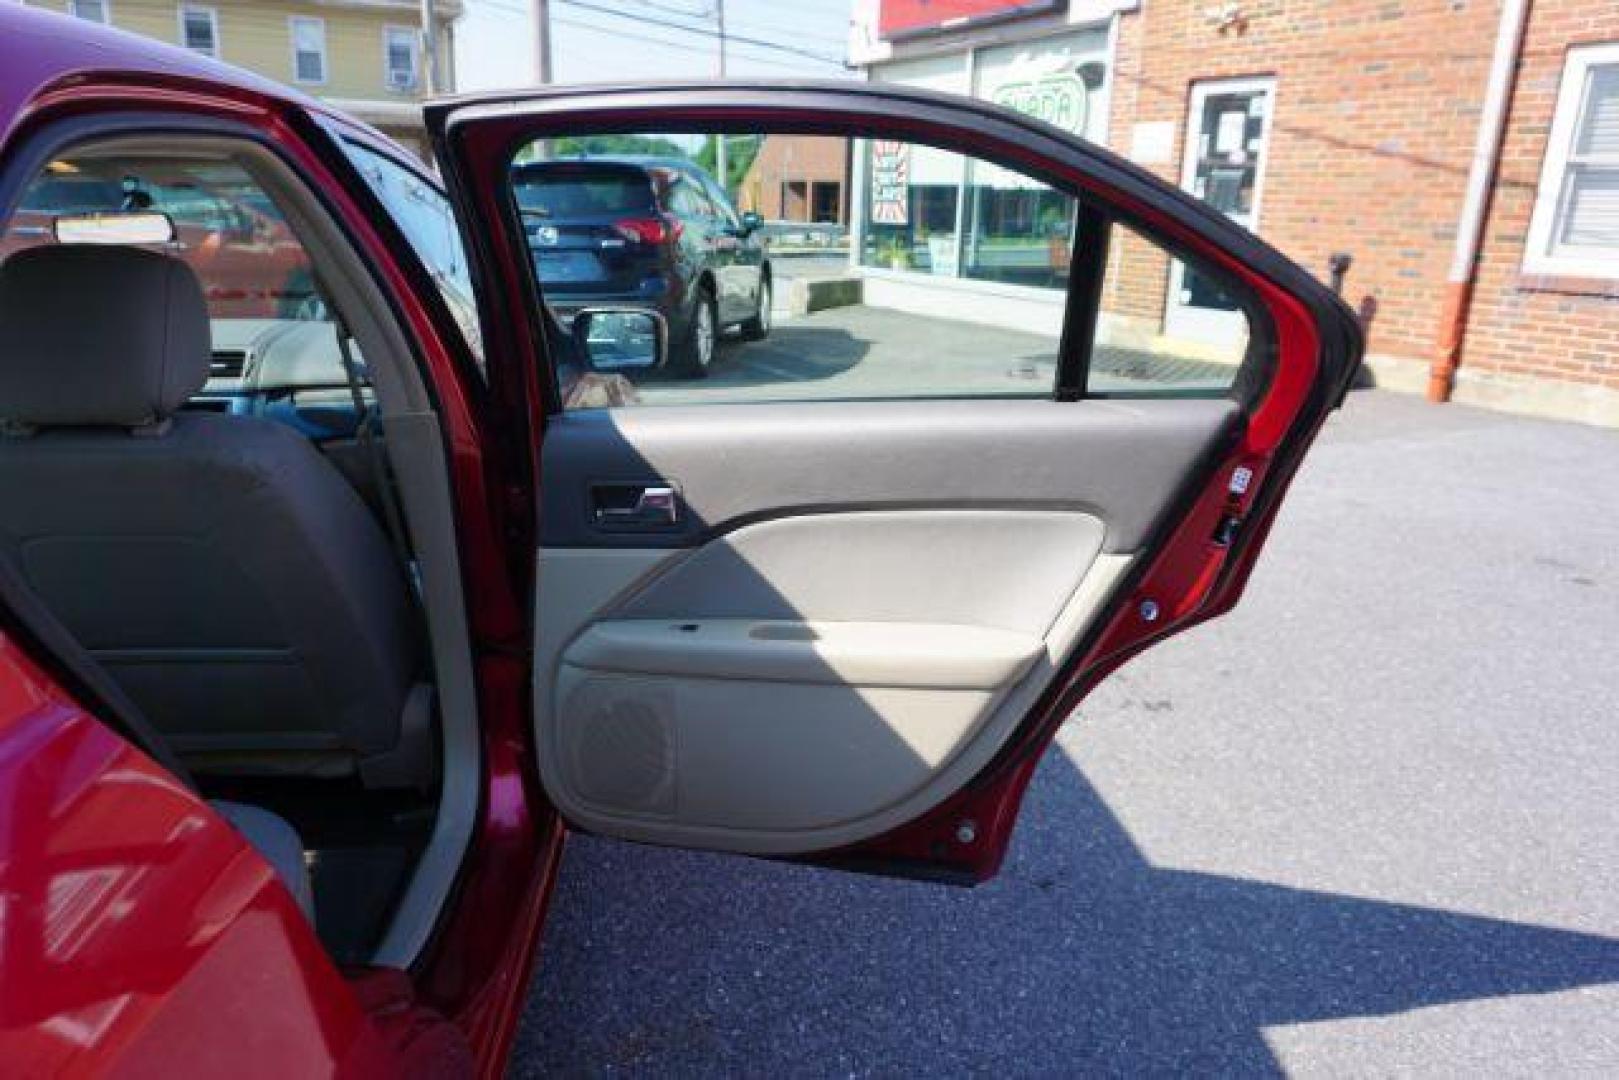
x=834, y=611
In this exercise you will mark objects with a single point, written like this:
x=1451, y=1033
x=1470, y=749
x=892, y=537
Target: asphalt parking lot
x=1366, y=824
x=859, y=351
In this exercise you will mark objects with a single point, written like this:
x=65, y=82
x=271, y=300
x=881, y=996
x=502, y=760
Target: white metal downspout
x=1481, y=175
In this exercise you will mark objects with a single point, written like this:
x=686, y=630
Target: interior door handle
x=635, y=506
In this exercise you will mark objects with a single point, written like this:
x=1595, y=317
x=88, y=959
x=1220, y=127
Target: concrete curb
x=818, y=294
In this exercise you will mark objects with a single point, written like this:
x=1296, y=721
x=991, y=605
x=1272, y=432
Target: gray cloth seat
x=280, y=846
x=217, y=566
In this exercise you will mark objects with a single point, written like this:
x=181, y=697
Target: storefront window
x=911, y=207
x=1018, y=230
x=935, y=213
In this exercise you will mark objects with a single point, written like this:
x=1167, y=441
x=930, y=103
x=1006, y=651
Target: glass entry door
x=1228, y=133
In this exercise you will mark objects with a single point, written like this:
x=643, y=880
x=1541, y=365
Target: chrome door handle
x=636, y=506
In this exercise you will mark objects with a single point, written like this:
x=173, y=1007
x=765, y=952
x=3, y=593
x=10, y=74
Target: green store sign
x=1059, y=99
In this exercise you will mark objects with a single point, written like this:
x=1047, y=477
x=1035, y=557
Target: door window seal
x=1082, y=305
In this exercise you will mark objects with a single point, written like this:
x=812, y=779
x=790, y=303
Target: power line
x=674, y=10
x=704, y=32
x=787, y=31
x=511, y=8
x=679, y=45
x=754, y=24
x=506, y=9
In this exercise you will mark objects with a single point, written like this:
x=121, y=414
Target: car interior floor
x=359, y=846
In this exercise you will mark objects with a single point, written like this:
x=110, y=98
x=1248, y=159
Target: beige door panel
x=802, y=683
x=920, y=655
x=1010, y=569
x=668, y=759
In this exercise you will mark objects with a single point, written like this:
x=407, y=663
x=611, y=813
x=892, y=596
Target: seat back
x=217, y=566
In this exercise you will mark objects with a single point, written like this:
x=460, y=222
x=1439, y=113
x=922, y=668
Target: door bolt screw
x=1149, y=610
x=966, y=831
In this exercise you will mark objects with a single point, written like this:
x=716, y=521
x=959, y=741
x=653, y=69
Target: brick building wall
x=1376, y=110
x=1563, y=334
x=782, y=182
x=1372, y=125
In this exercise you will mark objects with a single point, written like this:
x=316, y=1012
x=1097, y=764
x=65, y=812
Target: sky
x=616, y=40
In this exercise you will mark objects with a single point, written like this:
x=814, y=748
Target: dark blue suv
x=647, y=232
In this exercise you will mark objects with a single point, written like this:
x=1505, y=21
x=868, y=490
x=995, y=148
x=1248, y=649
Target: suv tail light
x=648, y=230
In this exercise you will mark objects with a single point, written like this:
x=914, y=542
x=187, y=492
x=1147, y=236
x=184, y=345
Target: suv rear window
x=568, y=192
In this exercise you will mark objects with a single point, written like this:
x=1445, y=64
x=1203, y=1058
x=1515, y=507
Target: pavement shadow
x=1082, y=957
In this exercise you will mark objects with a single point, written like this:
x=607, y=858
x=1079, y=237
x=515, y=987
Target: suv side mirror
x=610, y=339
x=751, y=223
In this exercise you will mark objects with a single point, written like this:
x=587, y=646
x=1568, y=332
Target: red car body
x=131, y=905
x=140, y=933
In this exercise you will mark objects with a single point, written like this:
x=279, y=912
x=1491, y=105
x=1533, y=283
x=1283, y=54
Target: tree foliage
x=740, y=150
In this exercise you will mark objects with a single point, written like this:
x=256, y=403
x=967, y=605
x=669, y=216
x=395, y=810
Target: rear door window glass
x=939, y=275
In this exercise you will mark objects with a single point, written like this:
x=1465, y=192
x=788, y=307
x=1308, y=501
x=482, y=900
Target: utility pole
x=542, y=58
x=719, y=139
x=429, y=48
x=542, y=42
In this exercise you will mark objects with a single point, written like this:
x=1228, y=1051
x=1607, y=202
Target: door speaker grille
x=623, y=745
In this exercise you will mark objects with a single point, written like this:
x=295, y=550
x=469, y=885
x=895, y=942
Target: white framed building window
x=90, y=10
x=1575, y=227
x=199, y=29
x=401, y=57
x=308, y=49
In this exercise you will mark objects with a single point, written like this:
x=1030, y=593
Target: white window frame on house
x=212, y=15
x=106, y=12
x=414, y=37
x=293, y=22
x=1543, y=255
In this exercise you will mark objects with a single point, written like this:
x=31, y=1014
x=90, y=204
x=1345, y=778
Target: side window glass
x=271, y=329
x=251, y=265
x=187, y=204
x=1165, y=327
x=426, y=218
x=930, y=274
x=688, y=200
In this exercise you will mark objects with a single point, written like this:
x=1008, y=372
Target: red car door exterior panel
x=139, y=928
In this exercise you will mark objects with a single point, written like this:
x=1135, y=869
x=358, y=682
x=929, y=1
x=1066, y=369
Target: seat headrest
x=96, y=335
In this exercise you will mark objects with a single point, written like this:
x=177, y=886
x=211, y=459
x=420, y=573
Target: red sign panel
x=907, y=18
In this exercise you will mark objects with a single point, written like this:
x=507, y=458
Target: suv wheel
x=696, y=352
x=758, y=327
